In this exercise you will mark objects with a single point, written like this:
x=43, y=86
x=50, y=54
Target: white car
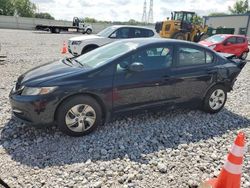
x=83, y=44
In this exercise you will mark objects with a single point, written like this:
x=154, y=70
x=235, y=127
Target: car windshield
x=104, y=54
x=216, y=38
x=107, y=32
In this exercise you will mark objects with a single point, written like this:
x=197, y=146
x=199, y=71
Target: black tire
x=179, y=36
x=208, y=98
x=55, y=30
x=89, y=31
x=88, y=49
x=244, y=55
x=66, y=106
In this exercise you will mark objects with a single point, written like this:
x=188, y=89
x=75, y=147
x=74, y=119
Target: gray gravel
x=165, y=149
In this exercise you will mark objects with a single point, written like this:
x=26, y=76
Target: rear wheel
x=179, y=36
x=79, y=116
x=244, y=55
x=215, y=99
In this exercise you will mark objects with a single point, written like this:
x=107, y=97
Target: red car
x=226, y=43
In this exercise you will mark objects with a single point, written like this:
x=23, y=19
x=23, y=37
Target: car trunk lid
x=233, y=58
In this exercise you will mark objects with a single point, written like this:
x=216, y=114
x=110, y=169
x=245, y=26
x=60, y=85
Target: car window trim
x=232, y=37
x=171, y=45
x=177, y=46
x=244, y=40
x=117, y=30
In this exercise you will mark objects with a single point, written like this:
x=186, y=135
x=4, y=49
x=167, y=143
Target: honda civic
x=80, y=93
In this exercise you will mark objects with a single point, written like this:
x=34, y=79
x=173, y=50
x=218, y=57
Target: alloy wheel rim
x=80, y=118
x=217, y=99
x=244, y=55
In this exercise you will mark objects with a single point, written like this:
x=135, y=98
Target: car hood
x=85, y=37
x=206, y=43
x=48, y=72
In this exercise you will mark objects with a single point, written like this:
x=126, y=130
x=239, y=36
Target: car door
x=146, y=87
x=121, y=33
x=240, y=46
x=194, y=72
x=230, y=45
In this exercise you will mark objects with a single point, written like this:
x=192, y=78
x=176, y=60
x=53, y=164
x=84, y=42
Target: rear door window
x=240, y=40
x=193, y=56
x=232, y=40
x=146, y=33
x=122, y=33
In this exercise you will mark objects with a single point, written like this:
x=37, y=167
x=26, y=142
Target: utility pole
x=151, y=13
x=144, y=15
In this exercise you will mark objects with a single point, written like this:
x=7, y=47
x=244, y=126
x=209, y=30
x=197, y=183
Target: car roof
x=147, y=41
x=131, y=26
x=231, y=35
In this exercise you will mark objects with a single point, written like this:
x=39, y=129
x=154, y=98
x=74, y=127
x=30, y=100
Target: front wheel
x=244, y=55
x=179, y=36
x=215, y=99
x=89, y=31
x=79, y=116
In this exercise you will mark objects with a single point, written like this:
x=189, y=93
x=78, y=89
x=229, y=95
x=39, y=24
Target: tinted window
x=147, y=33
x=138, y=32
x=121, y=33
x=232, y=40
x=240, y=40
x=192, y=56
x=209, y=57
x=151, y=58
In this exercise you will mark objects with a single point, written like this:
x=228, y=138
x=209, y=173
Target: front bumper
x=34, y=110
x=73, y=49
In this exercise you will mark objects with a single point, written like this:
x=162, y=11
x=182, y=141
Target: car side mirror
x=136, y=67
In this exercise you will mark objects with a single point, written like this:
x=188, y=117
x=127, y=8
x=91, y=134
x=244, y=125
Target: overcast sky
x=123, y=10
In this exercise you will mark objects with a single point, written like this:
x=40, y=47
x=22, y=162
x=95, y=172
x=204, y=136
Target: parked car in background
x=83, y=44
x=227, y=43
x=79, y=94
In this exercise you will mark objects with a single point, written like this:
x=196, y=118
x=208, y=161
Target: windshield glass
x=107, y=32
x=178, y=16
x=104, y=54
x=216, y=38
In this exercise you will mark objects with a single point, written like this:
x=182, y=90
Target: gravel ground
x=180, y=148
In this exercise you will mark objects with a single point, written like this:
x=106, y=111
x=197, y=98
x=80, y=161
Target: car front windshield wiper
x=82, y=64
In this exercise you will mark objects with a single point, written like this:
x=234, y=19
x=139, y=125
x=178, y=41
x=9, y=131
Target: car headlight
x=76, y=42
x=212, y=47
x=37, y=90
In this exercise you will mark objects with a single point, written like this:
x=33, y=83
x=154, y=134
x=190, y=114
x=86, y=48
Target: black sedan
x=78, y=94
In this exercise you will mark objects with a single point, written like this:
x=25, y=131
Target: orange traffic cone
x=230, y=174
x=64, y=48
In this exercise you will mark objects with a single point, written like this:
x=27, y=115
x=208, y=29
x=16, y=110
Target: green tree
x=6, y=8
x=90, y=20
x=240, y=7
x=217, y=14
x=24, y=8
x=197, y=20
x=44, y=15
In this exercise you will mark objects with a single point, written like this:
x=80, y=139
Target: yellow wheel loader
x=181, y=27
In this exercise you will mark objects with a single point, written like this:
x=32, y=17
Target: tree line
x=22, y=8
